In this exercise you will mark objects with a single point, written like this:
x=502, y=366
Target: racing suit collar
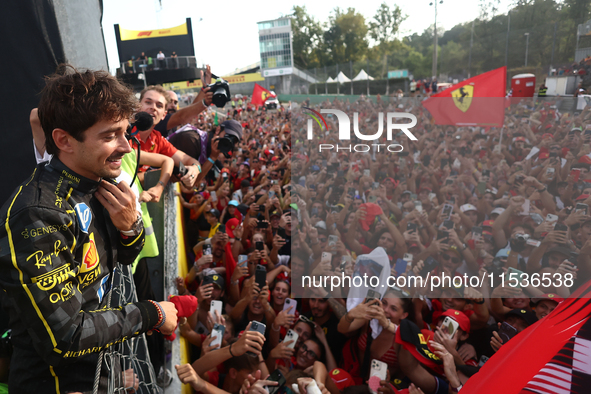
x=78, y=182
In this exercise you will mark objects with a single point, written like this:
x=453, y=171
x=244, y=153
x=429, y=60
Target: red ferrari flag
x=260, y=95
x=478, y=101
x=551, y=356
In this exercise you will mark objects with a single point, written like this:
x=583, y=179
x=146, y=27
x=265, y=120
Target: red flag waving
x=478, y=101
x=550, y=356
x=260, y=95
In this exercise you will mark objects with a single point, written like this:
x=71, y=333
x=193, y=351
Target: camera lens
x=220, y=98
x=225, y=145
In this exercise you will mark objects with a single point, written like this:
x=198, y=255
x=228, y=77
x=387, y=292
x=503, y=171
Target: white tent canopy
x=362, y=76
x=330, y=80
x=342, y=78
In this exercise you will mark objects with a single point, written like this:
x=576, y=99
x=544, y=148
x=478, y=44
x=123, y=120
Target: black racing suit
x=58, y=248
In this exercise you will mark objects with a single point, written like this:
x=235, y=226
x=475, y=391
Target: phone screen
x=507, y=331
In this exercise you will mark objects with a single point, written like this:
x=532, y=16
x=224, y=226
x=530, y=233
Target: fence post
x=387, y=79
x=351, y=68
x=368, y=77
x=316, y=83
x=338, y=83
x=553, y=44
x=470, y=56
x=507, y=39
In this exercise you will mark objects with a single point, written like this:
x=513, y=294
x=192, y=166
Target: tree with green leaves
x=386, y=23
x=346, y=37
x=307, y=36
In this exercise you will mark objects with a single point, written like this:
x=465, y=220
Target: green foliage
x=346, y=37
x=385, y=24
x=375, y=46
x=307, y=38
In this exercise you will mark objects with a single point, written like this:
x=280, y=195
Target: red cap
x=488, y=223
x=460, y=317
x=341, y=378
x=425, y=188
x=389, y=179
x=547, y=135
x=231, y=226
x=585, y=159
x=549, y=296
x=519, y=139
x=274, y=158
x=267, y=152
x=582, y=197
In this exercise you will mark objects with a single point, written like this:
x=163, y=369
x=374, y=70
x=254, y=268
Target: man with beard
x=327, y=312
x=220, y=260
x=518, y=152
x=154, y=100
x=179, y=117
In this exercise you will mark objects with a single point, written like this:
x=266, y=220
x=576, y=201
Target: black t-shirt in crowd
x=335, y=339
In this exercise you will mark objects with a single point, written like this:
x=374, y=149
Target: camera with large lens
x=221, y=92
x=518, y=242
x=226, y=144
x=233, y=135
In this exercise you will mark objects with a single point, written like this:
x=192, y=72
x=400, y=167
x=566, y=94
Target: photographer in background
x=154, y=100
x=185, y=115
x=197, y=143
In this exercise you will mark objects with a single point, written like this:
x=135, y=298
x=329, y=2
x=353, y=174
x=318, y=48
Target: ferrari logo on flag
x=463, y=97
x=260, y=95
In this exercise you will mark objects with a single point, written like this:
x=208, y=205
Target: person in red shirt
x=154, y=100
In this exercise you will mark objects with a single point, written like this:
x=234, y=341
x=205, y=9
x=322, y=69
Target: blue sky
x=227, y=37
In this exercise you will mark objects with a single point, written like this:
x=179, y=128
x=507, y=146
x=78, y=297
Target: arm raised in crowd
x=249, y=341
x=398, y=238
x=200, y=104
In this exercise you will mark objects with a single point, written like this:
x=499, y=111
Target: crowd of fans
x=277, y=210
x=458, y=201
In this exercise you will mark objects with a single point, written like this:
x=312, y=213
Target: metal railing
x=152, y=63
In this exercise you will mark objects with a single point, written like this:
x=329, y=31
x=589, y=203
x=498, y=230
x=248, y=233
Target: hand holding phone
x=506, y=332
x=450, y=325
x=260, y=276
x=216, y=306
x=377, y=373
x=290, y=305
x=217, y=334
